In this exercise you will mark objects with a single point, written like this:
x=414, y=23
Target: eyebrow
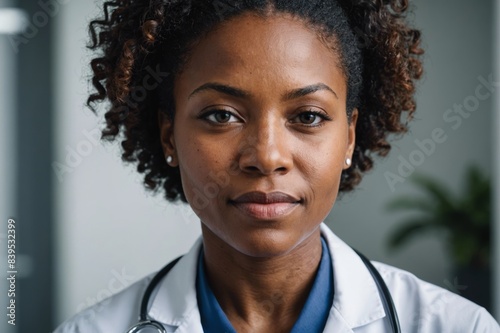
x=236, y=92
x=222, y=88
x=300, y=92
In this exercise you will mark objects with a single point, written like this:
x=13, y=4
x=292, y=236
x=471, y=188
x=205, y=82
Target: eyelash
x=320, y=114
x=205, y=116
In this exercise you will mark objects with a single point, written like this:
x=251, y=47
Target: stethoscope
x=146, y=325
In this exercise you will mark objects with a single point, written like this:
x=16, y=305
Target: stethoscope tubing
x=144, y=322
x=152, y=285
x=386, y=294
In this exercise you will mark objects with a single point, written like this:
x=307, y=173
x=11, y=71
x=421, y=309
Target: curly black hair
x=144, y=40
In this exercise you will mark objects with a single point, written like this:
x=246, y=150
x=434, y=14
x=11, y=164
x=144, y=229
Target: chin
x=265, y=243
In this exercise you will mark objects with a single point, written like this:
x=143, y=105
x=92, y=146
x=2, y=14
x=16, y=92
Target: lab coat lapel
x=357, y=301
x=175, y=304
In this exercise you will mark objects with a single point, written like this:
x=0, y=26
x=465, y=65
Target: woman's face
x=260, y=107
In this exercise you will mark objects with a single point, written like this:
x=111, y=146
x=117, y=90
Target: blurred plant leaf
x=410, y=229
x=466, y=218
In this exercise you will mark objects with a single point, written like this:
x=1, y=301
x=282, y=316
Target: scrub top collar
x=357, y=301
x=312, y=318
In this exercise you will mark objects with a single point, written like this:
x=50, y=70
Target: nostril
x=281, y=169
x=265, y=158
x=251, y=168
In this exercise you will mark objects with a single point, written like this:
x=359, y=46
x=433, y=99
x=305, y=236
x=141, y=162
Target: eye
x=220, y=117
x=312, y=118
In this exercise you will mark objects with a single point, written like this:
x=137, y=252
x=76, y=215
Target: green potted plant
x=464, y=219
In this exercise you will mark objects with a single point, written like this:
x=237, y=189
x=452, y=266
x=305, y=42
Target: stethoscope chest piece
x=147, y=326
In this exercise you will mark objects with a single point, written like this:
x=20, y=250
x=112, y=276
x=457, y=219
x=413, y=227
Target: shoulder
x=116, y=313
x=421, y=306
x=172, y=302
x=425, y=307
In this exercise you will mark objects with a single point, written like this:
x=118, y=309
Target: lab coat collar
x=175, y=304
x=356, y=303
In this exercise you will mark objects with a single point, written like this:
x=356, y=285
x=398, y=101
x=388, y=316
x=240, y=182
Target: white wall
x=107, y=225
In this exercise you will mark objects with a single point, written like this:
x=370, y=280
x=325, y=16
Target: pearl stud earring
x=169, y=159
x=348, y=161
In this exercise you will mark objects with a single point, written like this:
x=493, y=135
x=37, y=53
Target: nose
x=265, y=149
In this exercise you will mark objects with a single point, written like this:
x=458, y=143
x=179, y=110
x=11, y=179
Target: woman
x=257, y=113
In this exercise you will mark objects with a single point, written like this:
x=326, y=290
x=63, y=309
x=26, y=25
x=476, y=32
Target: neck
x=257, y=292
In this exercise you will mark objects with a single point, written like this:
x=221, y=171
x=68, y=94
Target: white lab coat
x=357, y=305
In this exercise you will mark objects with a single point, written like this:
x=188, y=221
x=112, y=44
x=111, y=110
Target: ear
x=351, y=142
x=167, y=137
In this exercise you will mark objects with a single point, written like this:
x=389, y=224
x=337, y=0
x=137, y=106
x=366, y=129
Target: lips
x=266, y=198
x=265, y=206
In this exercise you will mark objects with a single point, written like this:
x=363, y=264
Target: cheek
x=324, y=166
x=202, y=169
x=324, y=175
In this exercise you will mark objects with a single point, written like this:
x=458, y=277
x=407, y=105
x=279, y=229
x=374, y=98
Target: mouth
x=265, y=206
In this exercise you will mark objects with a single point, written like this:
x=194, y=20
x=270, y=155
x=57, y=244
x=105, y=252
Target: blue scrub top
x=312, y=318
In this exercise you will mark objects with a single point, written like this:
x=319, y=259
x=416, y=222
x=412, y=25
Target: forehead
x=277, y=47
